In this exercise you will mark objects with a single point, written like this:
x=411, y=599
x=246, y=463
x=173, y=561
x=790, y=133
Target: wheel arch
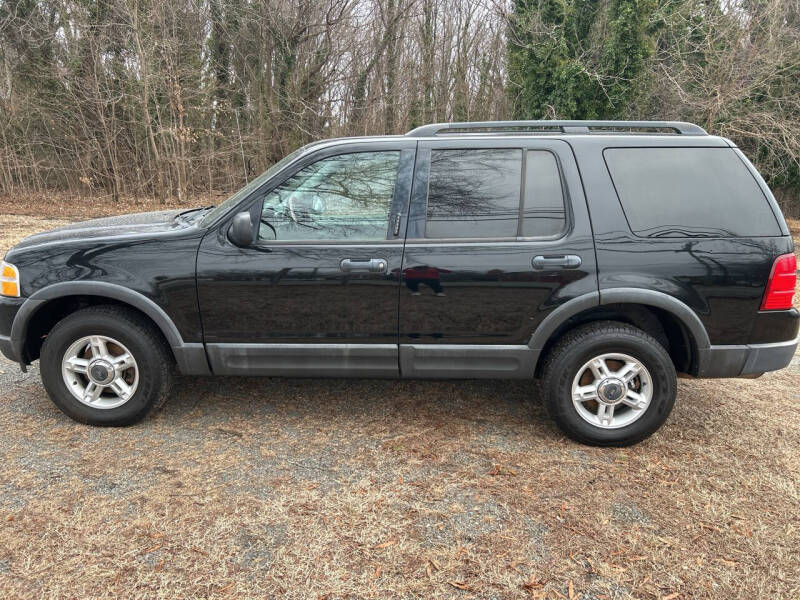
x=664, y=317
x=680, y=311
x=64, y=298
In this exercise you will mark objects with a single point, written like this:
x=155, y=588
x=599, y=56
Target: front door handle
x=562, y=261
x=371, y=265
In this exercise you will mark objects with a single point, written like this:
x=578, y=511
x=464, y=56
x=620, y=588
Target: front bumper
x=747, y=359
x=9, y=307
x=7, y=348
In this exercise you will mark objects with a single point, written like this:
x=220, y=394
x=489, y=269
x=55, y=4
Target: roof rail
x=579, y=127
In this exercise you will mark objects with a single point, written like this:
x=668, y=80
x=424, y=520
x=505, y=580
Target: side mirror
x=241, y=229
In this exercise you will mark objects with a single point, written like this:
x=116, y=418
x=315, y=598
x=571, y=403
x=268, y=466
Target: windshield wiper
x=182, y=215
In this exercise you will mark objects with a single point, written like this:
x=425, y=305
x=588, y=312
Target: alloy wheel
x=100, y=372
x=612, y=390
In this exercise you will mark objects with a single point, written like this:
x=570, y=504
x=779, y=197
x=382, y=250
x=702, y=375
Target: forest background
x=170, y=100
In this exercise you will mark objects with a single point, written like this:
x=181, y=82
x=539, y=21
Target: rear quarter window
x=689, y=192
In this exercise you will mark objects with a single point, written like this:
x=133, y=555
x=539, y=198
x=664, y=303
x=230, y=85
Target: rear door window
x=476, y=193
x=689, y=192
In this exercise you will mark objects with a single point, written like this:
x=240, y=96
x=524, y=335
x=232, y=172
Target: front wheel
x=106, y=365
x=609, y=384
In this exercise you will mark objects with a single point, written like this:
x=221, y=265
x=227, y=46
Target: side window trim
x=523, y=185
x=565, y=198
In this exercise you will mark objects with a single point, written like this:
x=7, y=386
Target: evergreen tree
x=578, y=58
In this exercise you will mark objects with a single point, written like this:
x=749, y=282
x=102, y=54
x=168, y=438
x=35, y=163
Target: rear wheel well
x=661, y=324
x=44, y=319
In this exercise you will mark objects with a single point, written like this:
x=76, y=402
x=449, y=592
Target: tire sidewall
x=652, y=356
x=81, y=325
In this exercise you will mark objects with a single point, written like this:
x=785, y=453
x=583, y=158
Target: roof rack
x=580, y=127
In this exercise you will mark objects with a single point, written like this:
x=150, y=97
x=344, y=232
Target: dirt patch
x=252, y=488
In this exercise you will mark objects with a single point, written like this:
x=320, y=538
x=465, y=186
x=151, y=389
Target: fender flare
x=556, y=318
x=94, y=288
x=190, y=357
x=644, y=297
x=671, y=304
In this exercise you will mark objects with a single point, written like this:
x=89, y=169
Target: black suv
x=601, y=257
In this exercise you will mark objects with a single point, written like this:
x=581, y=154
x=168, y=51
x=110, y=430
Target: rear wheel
x=106, y=365
x=609, y=384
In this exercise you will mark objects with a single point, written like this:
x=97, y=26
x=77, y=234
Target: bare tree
x=171, y=98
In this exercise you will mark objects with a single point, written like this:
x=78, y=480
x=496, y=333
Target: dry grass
x=15, y=227
x=256, y=488
x=70, y=207
x=794, y=227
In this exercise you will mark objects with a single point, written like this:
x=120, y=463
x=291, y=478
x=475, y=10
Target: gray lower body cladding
x=418, y=361
x=747, y=359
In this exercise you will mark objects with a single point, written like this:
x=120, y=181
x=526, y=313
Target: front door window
x=346, y=197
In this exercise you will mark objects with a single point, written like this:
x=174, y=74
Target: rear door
x=316, y=293
x=498, y=236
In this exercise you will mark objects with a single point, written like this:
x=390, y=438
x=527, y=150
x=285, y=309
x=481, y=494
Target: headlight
x=9, y=280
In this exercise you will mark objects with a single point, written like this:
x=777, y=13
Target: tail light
x=781, y=284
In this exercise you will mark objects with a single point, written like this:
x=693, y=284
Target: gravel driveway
x=337, y=489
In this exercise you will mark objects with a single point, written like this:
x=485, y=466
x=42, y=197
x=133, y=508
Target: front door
x=317, y=293
x=498, y=236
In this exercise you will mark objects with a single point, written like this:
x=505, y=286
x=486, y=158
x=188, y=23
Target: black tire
x=153, y=357
x=582, y=344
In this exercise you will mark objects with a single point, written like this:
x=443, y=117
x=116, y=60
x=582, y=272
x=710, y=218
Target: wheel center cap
x=101, y=372
x=611, y=390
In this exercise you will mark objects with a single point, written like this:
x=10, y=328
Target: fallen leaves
x=501, y=470
x=460, y=585
x=725, y=561
x=430, y=566
x=571, y=591
x=533, y=584
x=743, y=531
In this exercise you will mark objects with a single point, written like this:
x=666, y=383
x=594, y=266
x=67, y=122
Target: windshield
x=255, y=184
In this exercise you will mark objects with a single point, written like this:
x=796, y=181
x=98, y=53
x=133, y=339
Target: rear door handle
x=562, y=261
x=371, y=265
